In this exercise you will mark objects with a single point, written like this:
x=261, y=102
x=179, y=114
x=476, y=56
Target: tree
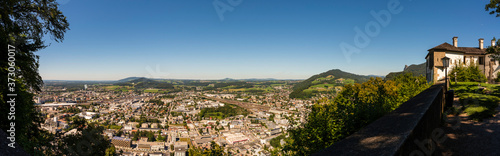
x=23, y=24
x=467, y=73
x=111, y=151
x=120, y=133
x=88, y=140
x=215, y=150
x=494, y=51
x=151, y=136
x=494, y=5
x=271, y=117
x=354, y=107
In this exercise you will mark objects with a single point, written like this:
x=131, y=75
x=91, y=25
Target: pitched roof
x=467, y=50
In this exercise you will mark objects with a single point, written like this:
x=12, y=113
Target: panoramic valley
x=249, y=78
x=245, y=116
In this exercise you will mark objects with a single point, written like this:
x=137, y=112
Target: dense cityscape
x=175, y=122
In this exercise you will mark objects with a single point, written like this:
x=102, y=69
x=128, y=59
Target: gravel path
x=471, y=137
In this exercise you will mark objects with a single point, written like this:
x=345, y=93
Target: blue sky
x=293, y=39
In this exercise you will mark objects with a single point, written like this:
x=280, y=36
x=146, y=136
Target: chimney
x=493, y=42
x=455, y=41
x=481, y=43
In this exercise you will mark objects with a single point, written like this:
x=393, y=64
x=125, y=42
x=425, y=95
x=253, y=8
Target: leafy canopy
x=23, y=24
x=466, y=73
x=355, y=107
x=493, y=7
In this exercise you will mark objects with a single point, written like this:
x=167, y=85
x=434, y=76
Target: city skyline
x=257, y=39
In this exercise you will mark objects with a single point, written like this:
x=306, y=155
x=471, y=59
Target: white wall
x=440, y=74
x=475, y=59
x=454, y=58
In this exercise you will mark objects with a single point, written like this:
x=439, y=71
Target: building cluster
x=173, y=125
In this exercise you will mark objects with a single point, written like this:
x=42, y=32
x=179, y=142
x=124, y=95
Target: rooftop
x=467, y=50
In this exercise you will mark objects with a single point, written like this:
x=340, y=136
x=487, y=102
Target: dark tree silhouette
x=23, y=24
x=494, y=6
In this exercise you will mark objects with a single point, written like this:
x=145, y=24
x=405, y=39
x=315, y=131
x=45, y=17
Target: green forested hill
x=142, y=83
x=416, y=70
x=326, y=78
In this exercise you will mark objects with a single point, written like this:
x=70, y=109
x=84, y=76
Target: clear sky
x=292, y=39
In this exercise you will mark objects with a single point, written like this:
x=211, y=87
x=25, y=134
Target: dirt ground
x=469, y=137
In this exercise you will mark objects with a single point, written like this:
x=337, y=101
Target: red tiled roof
x=467, y=50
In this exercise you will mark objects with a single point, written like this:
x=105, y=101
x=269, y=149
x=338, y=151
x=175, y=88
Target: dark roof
x=466, y=50
x=120, y=138
x=143, y=146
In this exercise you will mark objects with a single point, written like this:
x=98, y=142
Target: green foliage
x=298, y=89
x=143, y=83
x=223, y=112
x=478, y=101
x=161, y=138
x=143, y=119
x=175, y=114
x=271, y=117
x=156, y=101
x=87, y=141
x=494, y=5
x=151, y=137
x=115, y=127
x=467, y=73
x=498, y=77
x=23, y=24
x=111, y=151
x=215, y=150
x=148, y=134
x=355, y=107
x=494, y=51
x=275, y=142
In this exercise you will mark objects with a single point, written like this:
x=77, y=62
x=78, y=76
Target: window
x=481, y=60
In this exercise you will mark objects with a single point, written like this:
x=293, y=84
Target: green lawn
x=278, y=84
x=151, y=91
x=322, y=86
x=478, y=102
x=118, y=88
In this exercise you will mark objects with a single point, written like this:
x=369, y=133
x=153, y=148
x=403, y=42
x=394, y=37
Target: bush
x=467, y=73
x=354, y=107
x=498, y=77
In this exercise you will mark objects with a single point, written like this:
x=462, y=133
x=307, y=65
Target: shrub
x=498, y=77
x=467, y=73
x=354, y=107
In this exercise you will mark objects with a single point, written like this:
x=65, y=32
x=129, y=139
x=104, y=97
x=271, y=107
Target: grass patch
x=118, y=88
x=322, y=86
x=223, y=112
x=151, y=91
x=278, y=84
x=479, y=100
x=115, y=127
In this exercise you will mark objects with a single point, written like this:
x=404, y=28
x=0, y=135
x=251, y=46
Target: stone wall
x=406, y=130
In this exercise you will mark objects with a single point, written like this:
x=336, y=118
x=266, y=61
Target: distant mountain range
x=298, y=89
x=416, y=70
